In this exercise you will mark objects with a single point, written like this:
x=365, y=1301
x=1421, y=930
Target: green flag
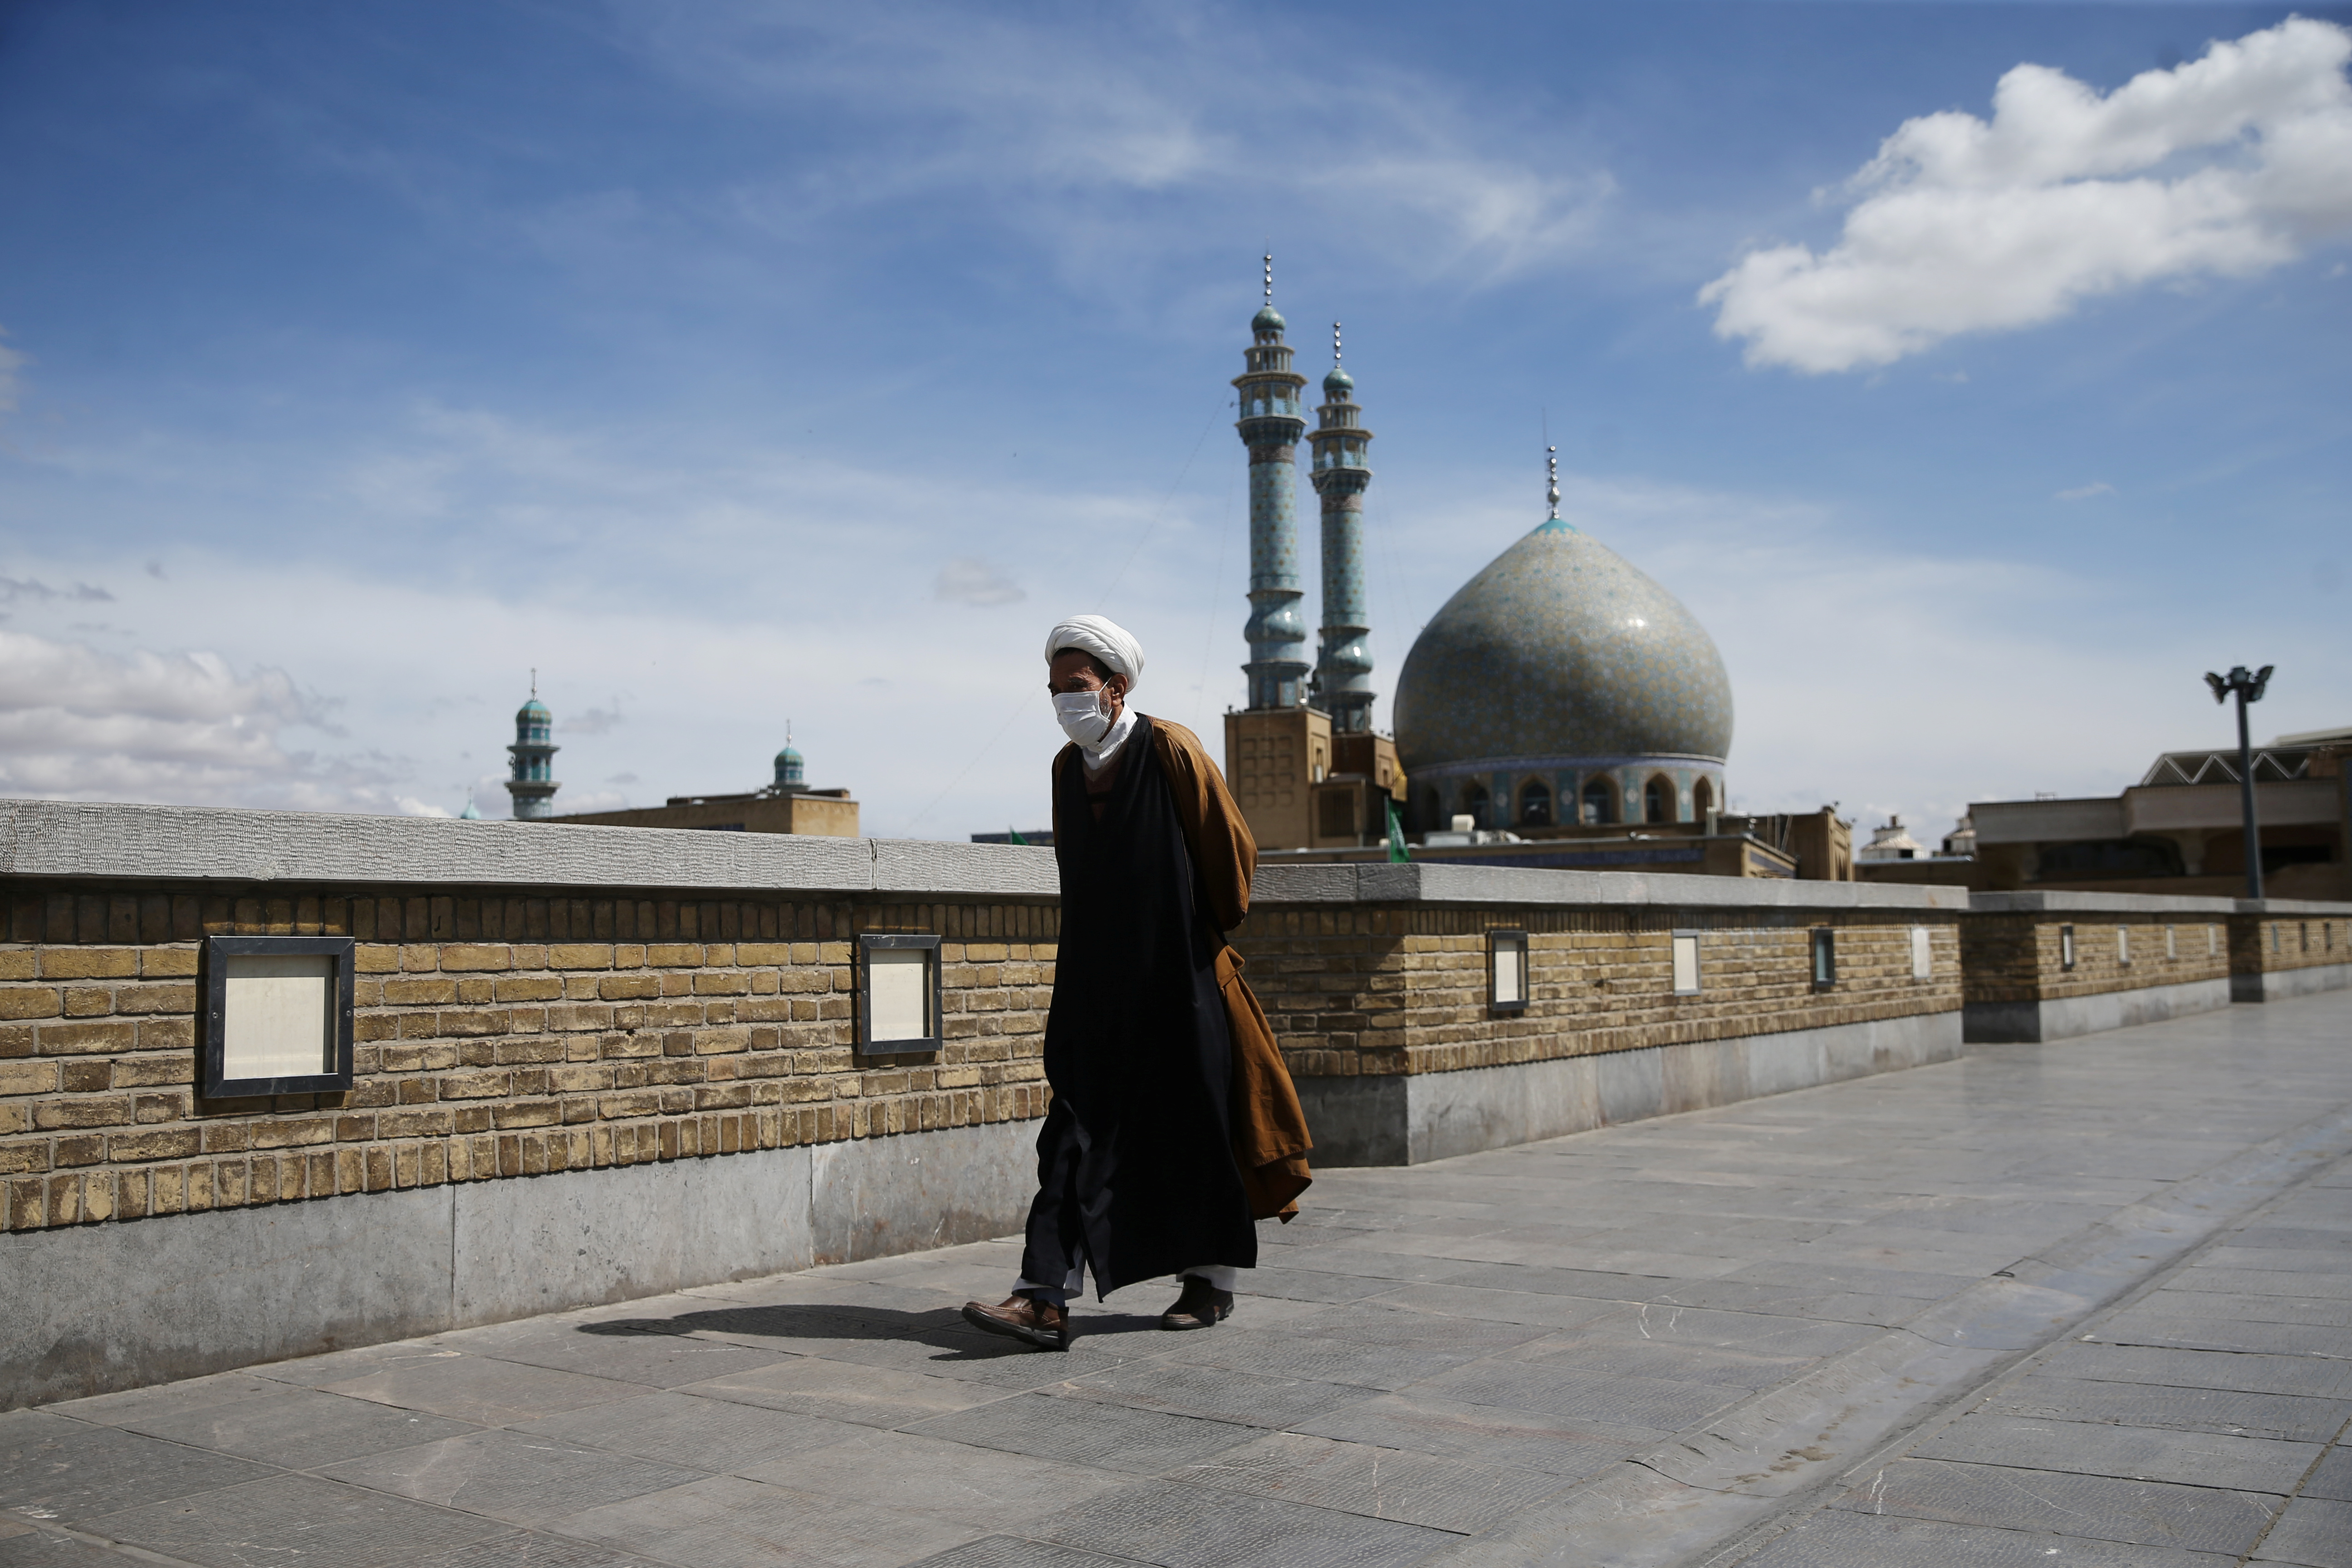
x=1397, y=851
x=1016, y=835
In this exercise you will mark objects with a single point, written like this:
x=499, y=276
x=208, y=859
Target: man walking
x=1174, y=1125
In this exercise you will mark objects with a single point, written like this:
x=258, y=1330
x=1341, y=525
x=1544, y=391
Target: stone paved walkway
x=2082, y=1303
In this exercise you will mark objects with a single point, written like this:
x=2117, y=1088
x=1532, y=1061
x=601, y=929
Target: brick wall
x=2020, y=957
x=496, y=1035
x=2267, y=943
x=1362, y=989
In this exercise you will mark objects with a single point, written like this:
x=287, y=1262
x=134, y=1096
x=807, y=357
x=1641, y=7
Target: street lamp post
x=2250, y=689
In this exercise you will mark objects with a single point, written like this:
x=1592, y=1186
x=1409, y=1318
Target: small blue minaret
x=792, y=776
x=1343, y=665
x=533, y=780
x=1270, y=425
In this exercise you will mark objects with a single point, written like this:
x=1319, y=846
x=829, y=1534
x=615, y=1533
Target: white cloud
x=2227, y=165
x=967, y=580
x=80, y=723
x=2085, y=492
x=815, y=622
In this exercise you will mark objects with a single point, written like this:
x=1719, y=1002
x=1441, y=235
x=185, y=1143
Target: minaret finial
x=1551, y=492
x=1269, y=278
x=1335, y=344
x=534, y=680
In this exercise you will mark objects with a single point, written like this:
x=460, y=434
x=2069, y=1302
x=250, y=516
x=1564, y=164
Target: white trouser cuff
x=1059, y=1295
x=1219, y=1276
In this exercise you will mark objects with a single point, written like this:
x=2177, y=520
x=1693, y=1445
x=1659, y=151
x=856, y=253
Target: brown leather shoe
x=1202, y=1306
x=1024, y=1318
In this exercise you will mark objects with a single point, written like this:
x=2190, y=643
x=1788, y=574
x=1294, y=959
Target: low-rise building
x=2180, y=830
x=787, y=805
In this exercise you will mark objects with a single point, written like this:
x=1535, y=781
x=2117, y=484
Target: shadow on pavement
x=943, y=1328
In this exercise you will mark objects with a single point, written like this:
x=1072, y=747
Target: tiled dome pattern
x=1561, y=648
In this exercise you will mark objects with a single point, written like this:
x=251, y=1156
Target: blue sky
x=734, y=363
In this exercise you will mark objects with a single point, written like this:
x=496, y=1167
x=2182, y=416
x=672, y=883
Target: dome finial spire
x=1334, y=345
x=1551, y=490
x=1269, y=278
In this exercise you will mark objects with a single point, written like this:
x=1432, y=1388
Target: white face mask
x=1081, y=716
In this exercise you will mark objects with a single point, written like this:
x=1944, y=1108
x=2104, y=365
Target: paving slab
x=626, y=1354
x=725, y=1521
x=2291, y=1417
x=1218, y=1393
x=532, y=1548
x=1085, y=1431
x=523, y=1479
x=481, y=1389
x=299, y=1428
x=168, y=1399
x=2162, y=1365
x=966, y=1485
x=714, y=1436
x=832, y=1391
x=1010, y=1552
x=286, y=1517
x=2313, y=1532
x=2102, y=1508
x=1204, y=1527
x=2331, y=1311
x=1484, y=1434
x=1377, y=1482
x=54, y=1468
x=1839, y=1539
x=2089, y=1302
x=2078, y=1448
x=26, y=1547
x=2332, y=1477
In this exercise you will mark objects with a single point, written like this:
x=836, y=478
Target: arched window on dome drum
x=1702, y=799
x=1600, y=800
x=1658, y=800
x=1474, y=803
x=1535, y=804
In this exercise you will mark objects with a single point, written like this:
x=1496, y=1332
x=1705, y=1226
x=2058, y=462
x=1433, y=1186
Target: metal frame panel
x=212, y=1082
x=867, y=944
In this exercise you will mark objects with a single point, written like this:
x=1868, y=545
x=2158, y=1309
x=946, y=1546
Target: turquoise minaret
x=1270, y=425
x=1343, y=665
x=533, y=780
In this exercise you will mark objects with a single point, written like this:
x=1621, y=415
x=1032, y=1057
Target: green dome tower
x=1342, y=472
x=531, y=782
x=1270, y=425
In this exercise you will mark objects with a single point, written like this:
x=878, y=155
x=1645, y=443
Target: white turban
x=1106, y=640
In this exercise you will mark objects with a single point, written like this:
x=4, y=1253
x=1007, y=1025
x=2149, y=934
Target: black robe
x=1135, y=1164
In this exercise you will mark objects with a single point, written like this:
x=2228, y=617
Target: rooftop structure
x=1892, y=842
x=2180, y=830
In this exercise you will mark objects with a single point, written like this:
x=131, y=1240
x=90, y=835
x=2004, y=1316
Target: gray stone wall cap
x=1383, y=883
x=2291, y=907
x=2055, y=902
x=41, y=838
